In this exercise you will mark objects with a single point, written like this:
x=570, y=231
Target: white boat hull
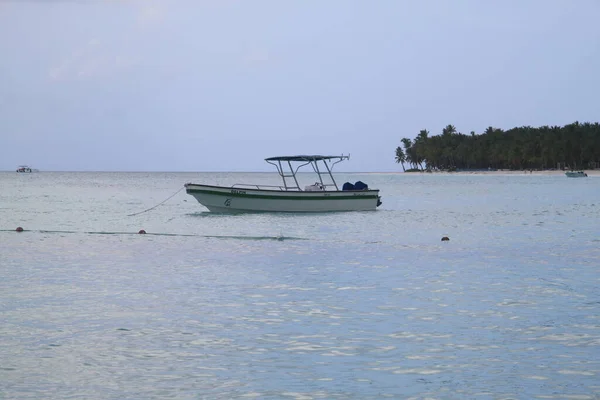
x=235, y=200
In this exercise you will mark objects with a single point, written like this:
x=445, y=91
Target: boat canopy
x=308, y=158
x=287, y=172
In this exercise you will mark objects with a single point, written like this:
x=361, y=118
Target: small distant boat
x=576, y=174
x=323, y=196
x=26, y=168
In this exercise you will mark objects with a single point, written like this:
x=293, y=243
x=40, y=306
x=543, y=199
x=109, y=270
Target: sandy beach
x=509, y=172
x=497, y=172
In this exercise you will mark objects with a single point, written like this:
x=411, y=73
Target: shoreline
x=496, y=172
x=508, y=172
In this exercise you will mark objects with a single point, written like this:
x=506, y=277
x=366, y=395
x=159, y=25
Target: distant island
x=573, y=146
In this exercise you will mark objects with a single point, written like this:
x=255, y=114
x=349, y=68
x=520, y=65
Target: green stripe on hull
x=263, y=196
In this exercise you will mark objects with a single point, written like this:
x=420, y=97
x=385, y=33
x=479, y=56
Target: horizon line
x=157, y=171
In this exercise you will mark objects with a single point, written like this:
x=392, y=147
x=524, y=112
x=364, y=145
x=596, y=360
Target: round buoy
x=19, y=229
x=445, y=239
x=141, y=232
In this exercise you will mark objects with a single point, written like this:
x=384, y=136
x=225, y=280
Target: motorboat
x=322, y=196
x=26, y=168
x=576, y=174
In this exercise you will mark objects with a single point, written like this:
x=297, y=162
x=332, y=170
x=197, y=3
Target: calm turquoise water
x=271, y=306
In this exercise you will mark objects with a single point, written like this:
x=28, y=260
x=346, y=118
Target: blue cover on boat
x=360, y=186
x=348, y=186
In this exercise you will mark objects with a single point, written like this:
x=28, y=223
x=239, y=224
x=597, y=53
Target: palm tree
x=449, y=130
x=400, y=157
x=423, y=135
x=409, y=149
x=420, y=147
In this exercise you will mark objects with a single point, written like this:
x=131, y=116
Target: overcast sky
x=220, y=85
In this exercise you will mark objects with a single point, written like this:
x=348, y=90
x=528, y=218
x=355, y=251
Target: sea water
x=363, y=305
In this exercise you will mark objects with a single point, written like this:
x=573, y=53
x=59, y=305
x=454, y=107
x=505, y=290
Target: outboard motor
x=348, y=186
x=361, y=186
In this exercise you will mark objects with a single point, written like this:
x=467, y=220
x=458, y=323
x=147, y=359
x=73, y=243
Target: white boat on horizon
x=26, y=168
x=322, y=196
x=576, y=174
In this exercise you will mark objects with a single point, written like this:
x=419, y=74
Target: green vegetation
x=575, y=146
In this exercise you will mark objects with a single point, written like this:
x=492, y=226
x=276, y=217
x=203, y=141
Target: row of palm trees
x=575, y=146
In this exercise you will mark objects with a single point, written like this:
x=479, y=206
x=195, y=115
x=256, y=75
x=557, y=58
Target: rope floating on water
x=144, y=232
x=159, y=204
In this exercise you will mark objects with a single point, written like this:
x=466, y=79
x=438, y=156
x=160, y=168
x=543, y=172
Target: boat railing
x=282, y=188
x=259, y=187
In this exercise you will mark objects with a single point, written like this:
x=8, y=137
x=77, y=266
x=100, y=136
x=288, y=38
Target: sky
x=126, y=85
